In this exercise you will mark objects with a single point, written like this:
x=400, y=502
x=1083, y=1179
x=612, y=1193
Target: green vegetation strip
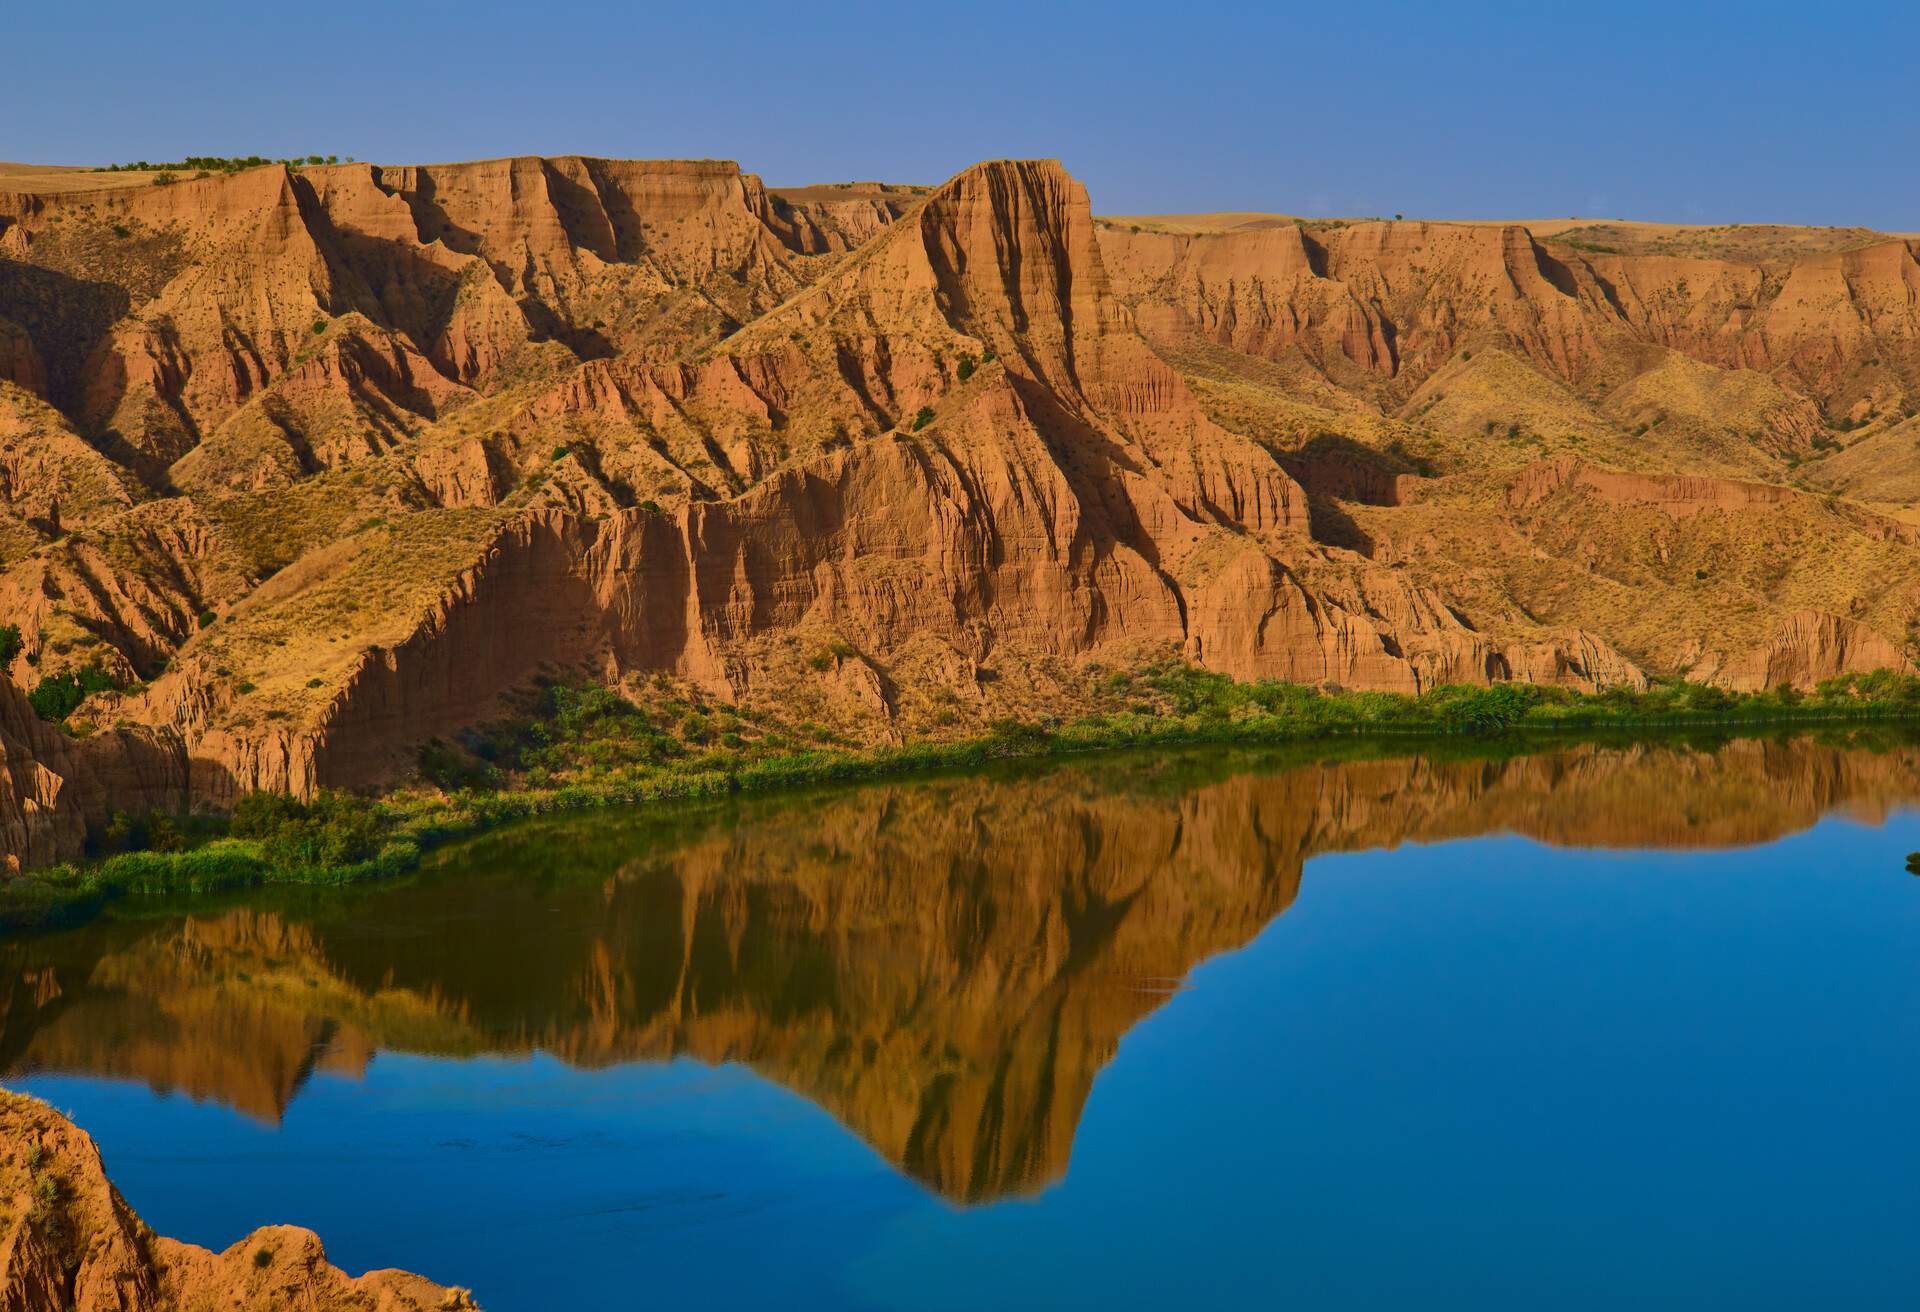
x=338, y=838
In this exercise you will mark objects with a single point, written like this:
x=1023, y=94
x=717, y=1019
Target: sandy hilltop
x=311, y=465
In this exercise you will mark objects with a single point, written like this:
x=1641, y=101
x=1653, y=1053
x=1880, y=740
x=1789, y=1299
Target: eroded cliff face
x=945, y=966
x=53, y=790
x=334, y=458
x=69, y=1243
x=1380, y=305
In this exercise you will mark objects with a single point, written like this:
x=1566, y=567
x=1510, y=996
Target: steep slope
x=957, y=445
x=1369, y=354
x=843, y=215
x=388, y=292
x=1881, y=466
x=317, y=464
x=51, y=480
x=1380, y=305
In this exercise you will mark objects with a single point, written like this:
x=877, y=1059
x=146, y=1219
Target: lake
x=1588, y=1027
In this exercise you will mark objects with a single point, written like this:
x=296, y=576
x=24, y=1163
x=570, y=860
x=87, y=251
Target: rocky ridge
x=319, y=463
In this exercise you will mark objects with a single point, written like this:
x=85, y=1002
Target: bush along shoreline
x=585, y=747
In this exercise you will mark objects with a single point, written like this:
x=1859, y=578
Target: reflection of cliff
x=945, y=966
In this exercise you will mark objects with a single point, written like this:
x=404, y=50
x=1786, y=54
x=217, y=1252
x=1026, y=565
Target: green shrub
x=967, y=366
x=208, y=619
x=44, y=1213
x=1459, y=709
x=1016, y=738
x=57, y=696
x=451, y=769
x=574, y=745
x=922, y=419
x=10, y=644
x=333, y=830
x=124, y=832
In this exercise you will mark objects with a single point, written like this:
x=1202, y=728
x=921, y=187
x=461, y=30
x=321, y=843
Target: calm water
x=1595, y=1028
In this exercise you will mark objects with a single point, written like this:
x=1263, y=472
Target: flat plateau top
x=1726, y=241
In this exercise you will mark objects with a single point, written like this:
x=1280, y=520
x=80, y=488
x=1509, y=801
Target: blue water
x=1483, y=1073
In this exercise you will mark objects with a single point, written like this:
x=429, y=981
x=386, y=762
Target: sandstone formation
x=52, y=788
x=69, y=1243
x=950, y=998
x=319, y=463
x=1382, y=304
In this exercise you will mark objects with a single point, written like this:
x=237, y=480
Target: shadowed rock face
x=944, y=966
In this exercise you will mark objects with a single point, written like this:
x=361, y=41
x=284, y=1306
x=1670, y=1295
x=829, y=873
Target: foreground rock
x=69, y=1243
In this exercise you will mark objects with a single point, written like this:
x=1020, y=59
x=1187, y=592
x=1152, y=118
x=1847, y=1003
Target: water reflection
x=943, y=965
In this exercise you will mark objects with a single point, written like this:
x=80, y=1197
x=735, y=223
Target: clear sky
x=1801, y=113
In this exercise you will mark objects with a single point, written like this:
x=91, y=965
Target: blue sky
x=1709, y=112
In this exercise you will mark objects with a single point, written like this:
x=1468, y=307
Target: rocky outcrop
x=79, y=602
x=1381, y=299
x=333, y=457
x=1066, y=499
x=50, y=477
x=459, y=265
x=69, y=1243
x=1808, y=648
x=1676, y=495
x=843, y=216
x=1375, y=631
x=42, y=811
x=53, y=788
x=1393, y=300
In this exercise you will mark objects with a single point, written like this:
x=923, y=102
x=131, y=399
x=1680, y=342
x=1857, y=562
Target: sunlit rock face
x=411, y=434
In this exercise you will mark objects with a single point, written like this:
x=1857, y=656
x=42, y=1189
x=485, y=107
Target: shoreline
x=399, y=828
